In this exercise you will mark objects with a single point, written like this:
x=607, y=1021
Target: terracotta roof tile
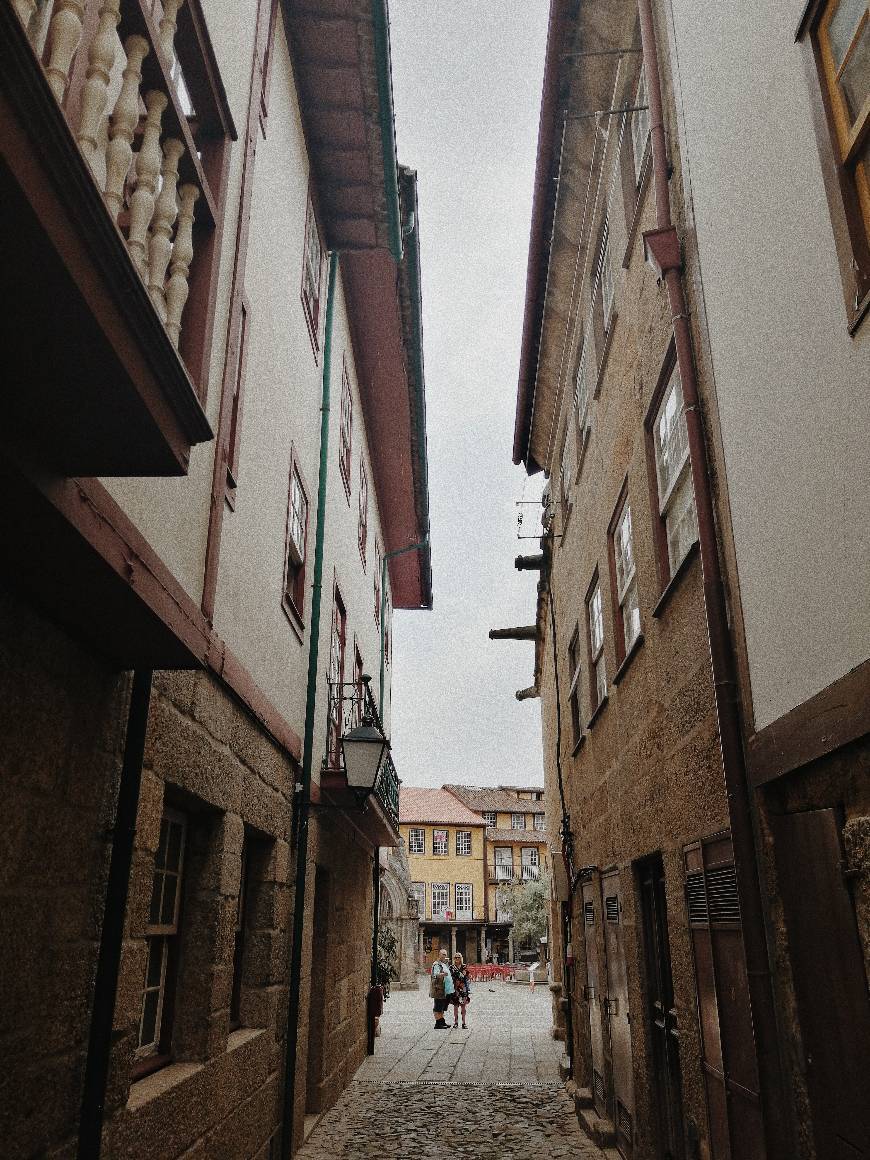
x=434, y=805
x=495, y=798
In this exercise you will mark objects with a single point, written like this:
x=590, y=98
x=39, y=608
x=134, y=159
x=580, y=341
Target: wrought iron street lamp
x=365, y=750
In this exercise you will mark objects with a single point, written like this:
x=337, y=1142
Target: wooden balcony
x=114, y=137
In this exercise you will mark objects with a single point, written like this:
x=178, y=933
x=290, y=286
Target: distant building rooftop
x=434, y=805
x=496, y=799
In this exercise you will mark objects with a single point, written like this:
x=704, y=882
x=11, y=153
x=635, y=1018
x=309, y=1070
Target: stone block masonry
x=62, y=717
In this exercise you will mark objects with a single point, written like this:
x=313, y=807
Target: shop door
x=592, y=995
x=615, y=1011
x=727, y=1041
x=830, y=980
x=661, y=1015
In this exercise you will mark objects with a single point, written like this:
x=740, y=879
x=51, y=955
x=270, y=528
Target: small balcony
x=507, y=875
x=349, y=704
x=114, y=139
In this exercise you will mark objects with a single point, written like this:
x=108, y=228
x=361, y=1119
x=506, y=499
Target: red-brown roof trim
x=543, y=207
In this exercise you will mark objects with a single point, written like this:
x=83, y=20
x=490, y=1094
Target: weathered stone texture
x=62, y=719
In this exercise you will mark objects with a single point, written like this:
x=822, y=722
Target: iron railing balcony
x=348, y=705
x=507, y=875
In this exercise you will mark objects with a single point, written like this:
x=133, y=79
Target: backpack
x=437, y=986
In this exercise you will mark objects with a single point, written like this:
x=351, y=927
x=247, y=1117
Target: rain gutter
x=543, y=207
x=386, y=117
x=662, y=249
x=417, y=385
x=303, y=790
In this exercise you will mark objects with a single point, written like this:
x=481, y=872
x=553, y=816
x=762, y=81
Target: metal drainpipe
x=384, y=561
x=721, y=650
x=304, y=789
x=112, y=935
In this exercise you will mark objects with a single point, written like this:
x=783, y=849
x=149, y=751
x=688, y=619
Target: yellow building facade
x=516, y=850
x=447, y=858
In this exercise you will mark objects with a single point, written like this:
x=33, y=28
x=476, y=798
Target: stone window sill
x=602, y=704
x=605, y=354
x=629, y=657
x=144, y=1090
x=675, y=580
x=578, y=745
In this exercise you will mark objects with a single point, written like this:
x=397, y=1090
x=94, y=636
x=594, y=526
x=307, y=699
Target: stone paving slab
x=492, y=1090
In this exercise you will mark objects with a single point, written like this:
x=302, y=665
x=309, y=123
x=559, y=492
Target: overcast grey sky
x=467, y=85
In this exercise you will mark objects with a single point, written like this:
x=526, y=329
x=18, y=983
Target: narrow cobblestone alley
x=492, y=1090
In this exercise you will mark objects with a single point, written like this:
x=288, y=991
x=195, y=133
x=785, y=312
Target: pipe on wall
x=304, y=789
x=721, y=648
x=112, y=935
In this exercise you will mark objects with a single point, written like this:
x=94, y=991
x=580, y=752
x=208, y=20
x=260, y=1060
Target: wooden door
x=727, y=1041
x=616, y=1013
x=592, y=994
x=830, y=980
x=661, y=1013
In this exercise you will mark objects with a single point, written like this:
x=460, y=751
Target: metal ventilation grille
x=611, y=908
x=696, y=897
x=589, y=913
x=722, y=894
x=624, y=1126
x=598, y=1093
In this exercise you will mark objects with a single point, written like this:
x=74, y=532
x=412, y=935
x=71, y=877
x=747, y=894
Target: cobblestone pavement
x=492, y=1091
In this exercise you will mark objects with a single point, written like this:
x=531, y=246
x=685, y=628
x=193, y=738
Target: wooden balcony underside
x=95, y=386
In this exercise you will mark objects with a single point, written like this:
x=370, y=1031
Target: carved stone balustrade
x=119, y=79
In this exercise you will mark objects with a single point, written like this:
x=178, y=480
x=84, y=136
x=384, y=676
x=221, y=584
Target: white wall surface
x=172, y=514
x=792, y=385
x=281, y=414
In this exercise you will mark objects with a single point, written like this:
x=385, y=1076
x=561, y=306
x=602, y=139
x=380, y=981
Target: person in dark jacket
x=461, y=996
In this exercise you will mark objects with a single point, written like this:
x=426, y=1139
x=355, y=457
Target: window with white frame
x=490, y=818
x=463, y=841
x=565, y=465
x=345, y=430
x=518, y=821
x=674, y=473
x=530, y=863
x=504, y=863
x=605, y=277
x=463, y=894
x=640, y=123
x=363, y=526
x=581, y=398
x=161, y=935
x=439, y=842
x=416, y=841
x=540, y=822
x=312, y=268
x=626, y=578
x=574, y=670
x=595, y=618
x=440, y=898
x=418, y=889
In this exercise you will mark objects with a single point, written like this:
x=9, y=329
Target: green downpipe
x=384, y=561
x=381, y=24
x=304, y=791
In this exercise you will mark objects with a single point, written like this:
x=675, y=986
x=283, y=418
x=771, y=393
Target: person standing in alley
x=461, y=989
x=441, y=989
